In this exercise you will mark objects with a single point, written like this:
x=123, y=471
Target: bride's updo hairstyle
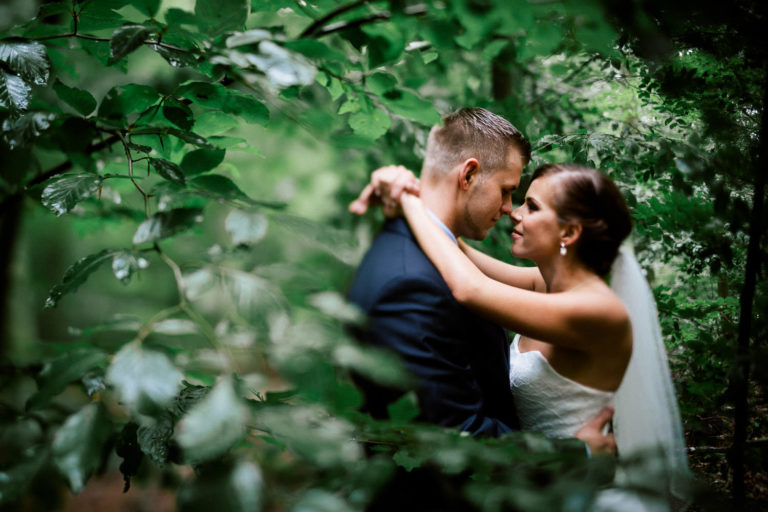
x=587, y=197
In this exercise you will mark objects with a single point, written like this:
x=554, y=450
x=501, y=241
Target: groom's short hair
x=473, y=132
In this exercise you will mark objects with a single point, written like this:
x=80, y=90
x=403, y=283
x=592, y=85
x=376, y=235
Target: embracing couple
x=582, y=348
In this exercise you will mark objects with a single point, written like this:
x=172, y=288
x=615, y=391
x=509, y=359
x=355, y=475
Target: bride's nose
x=515, y=214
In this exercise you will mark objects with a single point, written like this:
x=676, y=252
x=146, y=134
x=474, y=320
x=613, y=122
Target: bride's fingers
x=399, y=185
x=603, y=417
x=360, y=205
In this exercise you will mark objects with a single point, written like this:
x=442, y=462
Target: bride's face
x=537, y=229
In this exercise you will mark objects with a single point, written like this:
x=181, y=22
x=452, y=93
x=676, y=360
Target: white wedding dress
x=548, y=402
x=556, y=406
x=652, y=459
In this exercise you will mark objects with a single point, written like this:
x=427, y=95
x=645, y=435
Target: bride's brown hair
x=587, y=197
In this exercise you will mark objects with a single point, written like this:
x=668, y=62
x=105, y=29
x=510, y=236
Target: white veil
x=647, y=420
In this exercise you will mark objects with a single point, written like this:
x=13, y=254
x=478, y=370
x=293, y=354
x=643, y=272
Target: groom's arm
x=419, y=319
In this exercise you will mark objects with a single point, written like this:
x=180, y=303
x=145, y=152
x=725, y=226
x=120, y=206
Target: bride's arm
x=527, y=278
x=576, y=319
x=389, y=182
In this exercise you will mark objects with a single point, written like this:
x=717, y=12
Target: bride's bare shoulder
x=601, y=308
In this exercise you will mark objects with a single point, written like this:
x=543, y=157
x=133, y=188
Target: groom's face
x=490, y=197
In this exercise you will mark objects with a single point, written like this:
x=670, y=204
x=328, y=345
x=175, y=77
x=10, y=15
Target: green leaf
x=247, y=107
x=145, y=381
x=164, y=224
x=127, y=448
x=202, y=160
x=67, y=368
x=203, y=93
x=27, y=59
x=148, y=7
x=492, y=49
x=20, y=132
x=54, y=8
x=380, y=83
x=99, y=16
x=126, y=39
x=372, y=124
x=542, y=40
x=410, y=106
x=15, y=480
x=214, y=123
x=155, y=439
x=407, y=461
x=175, y=57
x=76, y=275
x=175, y=16
x=127, y=99
x=190, y=395
x=139, y=147
x=213, y=425
x=79, y=99
x=223, y=485
x=385, y=43
x=246, y=228
x=218, y=16
x=283, y=67
x=190, y=137
x=218, y=187
x=14, y=92
x=126, y=263
x=405, y=409
x=319, y=500
x=79, y=444
x=315, y=50
x=178, y=113
x=186, y=136
x=168, y=170
x=248, y=37
x=63, y=193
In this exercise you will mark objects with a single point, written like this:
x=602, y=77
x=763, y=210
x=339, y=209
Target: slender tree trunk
x=503, y=82
x=10, y=218
x=741, y=378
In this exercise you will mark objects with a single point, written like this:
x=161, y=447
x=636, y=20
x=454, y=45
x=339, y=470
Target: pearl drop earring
x=563, y=250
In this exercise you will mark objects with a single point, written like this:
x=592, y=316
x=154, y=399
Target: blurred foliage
x=204, y=153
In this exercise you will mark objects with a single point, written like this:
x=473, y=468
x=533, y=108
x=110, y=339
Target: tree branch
x=106, y=40
x=130, y=173
x=416, y=10
x=64, y=166
x=318, y=23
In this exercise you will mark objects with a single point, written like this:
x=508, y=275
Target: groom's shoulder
x=396, y=251
x=396, y=261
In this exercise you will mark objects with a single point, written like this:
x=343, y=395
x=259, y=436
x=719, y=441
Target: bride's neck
x=564, y=275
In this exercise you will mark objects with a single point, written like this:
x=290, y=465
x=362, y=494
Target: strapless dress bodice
x=547, y=401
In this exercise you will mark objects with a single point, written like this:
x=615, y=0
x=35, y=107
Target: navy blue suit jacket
x=460, y=360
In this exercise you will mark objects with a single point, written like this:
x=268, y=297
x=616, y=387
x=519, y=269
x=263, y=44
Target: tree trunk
x=10, y=218
x=741, y=375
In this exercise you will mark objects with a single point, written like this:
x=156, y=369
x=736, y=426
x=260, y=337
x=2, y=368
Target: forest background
x=176, y=245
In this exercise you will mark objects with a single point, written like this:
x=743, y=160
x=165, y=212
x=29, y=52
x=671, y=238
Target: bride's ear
x=570, y=234
x=468, y=173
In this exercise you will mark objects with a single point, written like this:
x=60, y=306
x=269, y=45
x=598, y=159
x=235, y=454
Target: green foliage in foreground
x=224, y=347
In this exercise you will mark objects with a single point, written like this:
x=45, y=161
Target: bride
x=581, y=344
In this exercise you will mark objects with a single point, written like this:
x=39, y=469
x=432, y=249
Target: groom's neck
x=442, y=204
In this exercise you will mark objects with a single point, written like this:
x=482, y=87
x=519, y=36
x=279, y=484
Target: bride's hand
x=386, y=187
x=592, y=434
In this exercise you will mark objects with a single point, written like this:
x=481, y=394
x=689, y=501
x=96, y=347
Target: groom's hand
x=386, y=186
x=592, y=434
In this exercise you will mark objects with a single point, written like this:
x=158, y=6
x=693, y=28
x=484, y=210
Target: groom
x=472, y=166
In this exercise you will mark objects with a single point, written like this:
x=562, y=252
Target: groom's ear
x=469, y=172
